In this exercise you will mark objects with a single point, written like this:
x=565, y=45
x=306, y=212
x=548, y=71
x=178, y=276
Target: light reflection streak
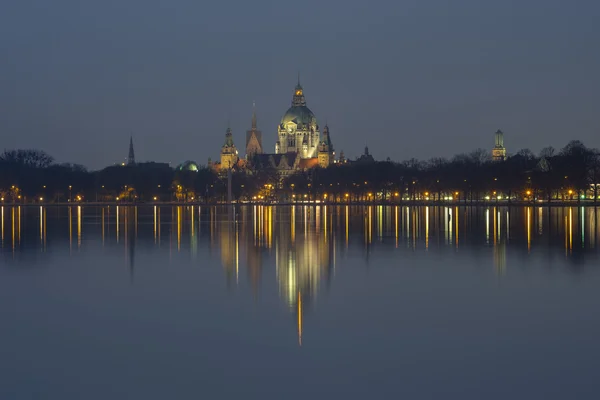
x=117, y=219
x=78, y=226
x=456, y=219
x=293, y=225
x=582, y=213
x=571, y=228
x=487, y=225
x=12, y=220
x=395, y=224
x=528, y=229
x=450, y=224
x=426, y=228
x=178, y=228
x=495, y=228
x=347, y=218
x=507, y=225
x=154, y=224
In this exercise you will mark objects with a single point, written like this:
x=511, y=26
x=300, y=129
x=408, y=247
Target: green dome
x=188, y=166
x=300, y=115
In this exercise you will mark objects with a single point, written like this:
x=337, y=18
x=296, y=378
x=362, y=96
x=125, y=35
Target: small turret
x=499, y=151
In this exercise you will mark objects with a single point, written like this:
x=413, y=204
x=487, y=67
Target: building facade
x=299, y=144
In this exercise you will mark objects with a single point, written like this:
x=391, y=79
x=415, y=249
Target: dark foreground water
x=296, y=303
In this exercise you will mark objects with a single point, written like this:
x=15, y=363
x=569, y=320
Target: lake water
x=299, y=302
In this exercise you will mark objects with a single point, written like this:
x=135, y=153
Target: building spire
x=299, y=78
x=131, y=156
x=254, y=125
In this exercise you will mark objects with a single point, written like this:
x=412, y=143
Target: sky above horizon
x=407, y=78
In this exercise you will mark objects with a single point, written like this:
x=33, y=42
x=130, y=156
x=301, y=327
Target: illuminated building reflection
x=296, y=248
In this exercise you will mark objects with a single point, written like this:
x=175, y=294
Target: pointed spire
x=254, y=115
x=299, y=78
x=131, y=156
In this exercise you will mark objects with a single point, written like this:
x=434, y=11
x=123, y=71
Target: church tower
x=253, y=137
x=499, y=151
x=229, y=154
x=326, y=154
x=131, y=156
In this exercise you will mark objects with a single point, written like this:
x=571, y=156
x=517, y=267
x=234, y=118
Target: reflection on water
x=303, y=241
x=414, y=292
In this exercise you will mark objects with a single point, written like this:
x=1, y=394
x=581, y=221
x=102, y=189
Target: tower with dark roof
x=253, y=137
x=131, y=156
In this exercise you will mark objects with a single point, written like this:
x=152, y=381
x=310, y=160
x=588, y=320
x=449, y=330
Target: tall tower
x=298, y=131
x=325, y=155
x=131, y=156
x=229, y=154
x=253, y=137
x=499, y=151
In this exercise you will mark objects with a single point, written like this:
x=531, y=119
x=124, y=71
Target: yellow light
x=570, y=192
x=293, y=195
x=117, y=199
x=346, y=195
x=456, y=193
x=44, y=186
x=2, y=199
x=19, y=196
x=426, y=193
x=528, y=192
x=396, y=194
x=370, y=194
x=41, y=198
x=154, y=198
x=366, y=182
x=325, y=196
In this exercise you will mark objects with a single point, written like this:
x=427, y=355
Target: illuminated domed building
x=298, y=131
x=300, y=145
x=188, y=166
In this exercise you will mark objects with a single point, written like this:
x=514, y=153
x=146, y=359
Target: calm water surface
x=299, y=302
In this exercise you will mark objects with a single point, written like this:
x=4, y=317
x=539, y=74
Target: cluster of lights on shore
x=266, y=194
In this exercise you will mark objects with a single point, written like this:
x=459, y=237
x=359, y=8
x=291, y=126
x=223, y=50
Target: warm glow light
x=396, y=194
x=570, y=191
x=456, y=193
x=154, y=198
x=41, y=198
x=117, y=199
x=346, y=195
x=370, y=194
x=426, y=193
x=528, y=192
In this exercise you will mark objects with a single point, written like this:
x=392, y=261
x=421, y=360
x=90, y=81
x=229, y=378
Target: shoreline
x=557, y=203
